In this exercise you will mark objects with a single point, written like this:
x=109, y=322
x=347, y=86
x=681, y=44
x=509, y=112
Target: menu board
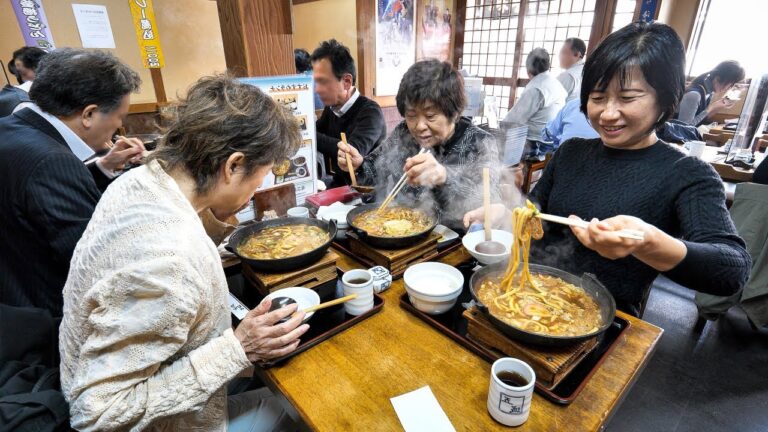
x=295, y=92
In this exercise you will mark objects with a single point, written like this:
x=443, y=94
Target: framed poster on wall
x=395, y=43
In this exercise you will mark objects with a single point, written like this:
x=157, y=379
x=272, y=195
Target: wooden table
x=728, y=172
x=345, y=383
x=720, y=136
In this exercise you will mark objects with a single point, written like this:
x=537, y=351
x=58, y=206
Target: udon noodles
x=283, y=241
x=393, y=222
x=537, y=303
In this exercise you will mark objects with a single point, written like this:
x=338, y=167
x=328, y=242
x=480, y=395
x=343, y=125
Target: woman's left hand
x=424, y=170
x=601, y=237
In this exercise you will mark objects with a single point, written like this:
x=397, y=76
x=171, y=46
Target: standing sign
x=295, y=92
x=146, y=32
x=93, y=25
x=395, y=44
x=33, y=24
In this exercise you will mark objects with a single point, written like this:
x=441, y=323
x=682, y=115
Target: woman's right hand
x=499, y=214
x=263, y=339
x=719, y=105
x=344, y=149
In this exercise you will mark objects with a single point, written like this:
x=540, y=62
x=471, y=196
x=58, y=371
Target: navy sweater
x=681, y=195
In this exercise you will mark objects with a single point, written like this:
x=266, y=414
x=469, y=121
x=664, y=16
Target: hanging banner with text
x=146, y=32
x=33, y=24
x=648, y=10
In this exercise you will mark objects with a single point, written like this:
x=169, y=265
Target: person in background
x=541, y=100
x=629, y=179
x=569, y=123
x=24, y=66
x=346, y=110
x=572, y=61
x=26, y=61
x=14, y=72
x=697, y=105
x=304, y=66
x=146, y=340
x=431, y=98
x=49, y=194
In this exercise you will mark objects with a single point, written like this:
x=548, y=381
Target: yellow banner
x=146, y=32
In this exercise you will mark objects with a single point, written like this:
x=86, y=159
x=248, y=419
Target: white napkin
x=419, y=411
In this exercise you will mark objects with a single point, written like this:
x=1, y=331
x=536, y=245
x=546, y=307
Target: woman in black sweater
x=631, y=86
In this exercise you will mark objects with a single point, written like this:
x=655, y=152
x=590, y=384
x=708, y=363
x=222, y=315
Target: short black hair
x=339, y=56
x=70, y=79
x=302, y=59
x=432, y=81
x=653, y=47
x=577, y=46
x=538, y=61
x=14, y=72
x=729, y=72
x=30, y=56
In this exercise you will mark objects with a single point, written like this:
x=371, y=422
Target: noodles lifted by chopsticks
x=537, y=303
x=525, y=226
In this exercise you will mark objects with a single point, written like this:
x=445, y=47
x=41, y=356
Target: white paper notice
x=419, y=411
x=93, y=25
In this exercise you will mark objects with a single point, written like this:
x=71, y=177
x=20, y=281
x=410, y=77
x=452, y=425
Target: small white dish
x=448, y=235
x=433, y=287
x=472, y=239
x=305, y=297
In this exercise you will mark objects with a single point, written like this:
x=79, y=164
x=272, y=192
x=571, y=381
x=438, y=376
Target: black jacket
x=47, y=197
x=365, y=129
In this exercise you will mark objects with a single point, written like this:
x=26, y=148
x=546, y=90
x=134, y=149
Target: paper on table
x=419, y=411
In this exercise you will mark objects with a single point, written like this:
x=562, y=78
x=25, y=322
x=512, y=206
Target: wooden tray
x=313, y=276
x=324, y=324
x=454, y=325
x=551, y=364
x=430, y=255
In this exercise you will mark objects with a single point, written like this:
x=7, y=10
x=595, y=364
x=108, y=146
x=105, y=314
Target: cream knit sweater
x=146, y=340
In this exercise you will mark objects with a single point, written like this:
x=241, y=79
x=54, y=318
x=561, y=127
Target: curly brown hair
x=220, y=116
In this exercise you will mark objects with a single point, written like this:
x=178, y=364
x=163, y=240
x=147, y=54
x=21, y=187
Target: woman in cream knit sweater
x=146, y=341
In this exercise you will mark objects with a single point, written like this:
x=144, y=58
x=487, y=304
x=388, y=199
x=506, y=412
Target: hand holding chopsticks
x=399, y=185
x=625, y=233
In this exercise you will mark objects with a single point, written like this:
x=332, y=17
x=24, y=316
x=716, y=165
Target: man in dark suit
x=48, y=194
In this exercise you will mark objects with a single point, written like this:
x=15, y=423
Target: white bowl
x=433, y=287
x=305, y=297
x=471, y=240
x=341, y=222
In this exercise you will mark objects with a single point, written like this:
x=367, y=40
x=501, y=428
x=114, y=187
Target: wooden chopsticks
x=399, y=185
x=349, y=161
x=625, y=233
x=330, y=303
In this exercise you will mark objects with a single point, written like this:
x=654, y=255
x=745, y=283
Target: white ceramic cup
x=696, y=148
x=363, y=287
x=507, y=404
x=298, y=212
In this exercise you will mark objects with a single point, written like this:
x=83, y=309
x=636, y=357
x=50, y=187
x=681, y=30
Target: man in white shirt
x=572, y=61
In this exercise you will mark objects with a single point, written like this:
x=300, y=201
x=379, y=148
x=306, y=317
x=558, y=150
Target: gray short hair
x=537, y=62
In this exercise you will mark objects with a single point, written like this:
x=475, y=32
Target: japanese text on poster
x=296, y=93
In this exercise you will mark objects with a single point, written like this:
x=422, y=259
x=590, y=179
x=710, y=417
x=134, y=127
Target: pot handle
x=229, y=248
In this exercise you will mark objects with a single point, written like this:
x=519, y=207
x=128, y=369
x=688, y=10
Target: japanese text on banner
x=33, y=23
x=146, y=32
